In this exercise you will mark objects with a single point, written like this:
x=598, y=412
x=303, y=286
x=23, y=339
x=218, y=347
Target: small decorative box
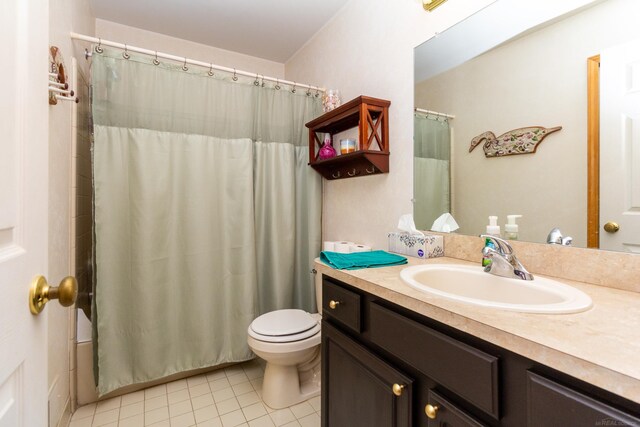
x=429, y=246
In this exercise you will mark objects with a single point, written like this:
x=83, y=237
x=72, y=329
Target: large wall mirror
x=580, y=71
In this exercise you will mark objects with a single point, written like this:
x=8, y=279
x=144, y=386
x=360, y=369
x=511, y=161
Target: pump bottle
x=511, y=228
x=493, y=229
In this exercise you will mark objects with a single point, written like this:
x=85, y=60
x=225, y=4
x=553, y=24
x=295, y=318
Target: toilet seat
x=283, y=326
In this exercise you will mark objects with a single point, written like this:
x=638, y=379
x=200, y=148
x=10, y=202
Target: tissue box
x=429, y=246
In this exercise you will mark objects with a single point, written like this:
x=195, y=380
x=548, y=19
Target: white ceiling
x=269, y=29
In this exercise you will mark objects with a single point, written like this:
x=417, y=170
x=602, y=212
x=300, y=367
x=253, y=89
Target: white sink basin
x=470, y=284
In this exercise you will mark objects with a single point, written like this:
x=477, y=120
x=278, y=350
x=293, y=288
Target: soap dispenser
x=493, y=229
x=511, y=228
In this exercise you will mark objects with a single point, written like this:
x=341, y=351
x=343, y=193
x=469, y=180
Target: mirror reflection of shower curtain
x=431, y=173
x=206, y=215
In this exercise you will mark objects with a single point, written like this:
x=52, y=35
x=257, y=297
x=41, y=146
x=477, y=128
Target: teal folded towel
x=357, y=260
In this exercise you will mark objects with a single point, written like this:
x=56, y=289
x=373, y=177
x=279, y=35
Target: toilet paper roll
x=329, y=246
x=342, y=247
x=359, y=248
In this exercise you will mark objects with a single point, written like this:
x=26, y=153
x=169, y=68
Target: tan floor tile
x=178, y=396
x=184, y=420
x=135, y=421
x=315, y=403
x=202, y=401
x=292, y=424
x=232, y=419
x=156, y=391
x=219, y=384
x=199, y=390
x=227, y=406
x=216, y=375
x=156, y=415
x=264, y=421
x=106, y=417
x=135, y=397
x=198, y=379
x=180, y=408
x=224, y=394
x=242, y=388
x=302, y=410
x=312, y=420
x=82, y=422
x=237, y=378
x=211, y=423
x=131, y=410
x=248, y=399
x=206, y=413
x=84, y=412
x=281, y=417
x=155, y=403
x=165, y=423
x=108, y=405
x=254, y=411
x=176, y=385
x=234, y=370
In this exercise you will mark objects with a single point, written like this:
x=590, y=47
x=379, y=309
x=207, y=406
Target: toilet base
x=286, y=385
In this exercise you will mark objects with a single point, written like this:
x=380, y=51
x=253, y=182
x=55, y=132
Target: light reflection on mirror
x=536, y=79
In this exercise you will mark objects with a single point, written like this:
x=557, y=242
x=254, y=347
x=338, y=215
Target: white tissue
x=359, y=248
x=406, y=224
x=329, y=246
x=342, y=247
x=445, y=223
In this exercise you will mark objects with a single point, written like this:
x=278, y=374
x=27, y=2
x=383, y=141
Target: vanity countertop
x=600, y=346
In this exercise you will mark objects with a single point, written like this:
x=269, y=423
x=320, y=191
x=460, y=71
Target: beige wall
x=64, y=15
x=539, y=79
x=367, y=49
x=149, y=40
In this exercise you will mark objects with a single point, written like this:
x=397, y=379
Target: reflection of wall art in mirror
x=517, y=141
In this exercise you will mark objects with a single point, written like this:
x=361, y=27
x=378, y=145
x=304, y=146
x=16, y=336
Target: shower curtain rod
x=435, y=113
x=185, y=61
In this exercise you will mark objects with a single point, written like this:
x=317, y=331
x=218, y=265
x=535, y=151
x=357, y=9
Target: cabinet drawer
x=448, y=414
x=550, y=403
x=464, y=370
x=341, y=304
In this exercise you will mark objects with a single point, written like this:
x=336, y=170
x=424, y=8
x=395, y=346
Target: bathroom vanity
x=395, y=357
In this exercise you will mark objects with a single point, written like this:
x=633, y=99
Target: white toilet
x=289, y=341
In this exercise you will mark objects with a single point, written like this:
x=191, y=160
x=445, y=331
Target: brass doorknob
x=41, y=293
x=397, y=389
x=431, y=411
x=333, y=304
x=611, y=227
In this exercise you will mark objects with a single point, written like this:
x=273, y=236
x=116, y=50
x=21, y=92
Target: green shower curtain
x=206, y=215
x=431, y=174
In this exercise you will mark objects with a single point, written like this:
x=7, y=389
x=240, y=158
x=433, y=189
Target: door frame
x=593, y=151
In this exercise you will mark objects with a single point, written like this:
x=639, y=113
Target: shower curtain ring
x=262, y=82
x=210, y=73
x=256, y=82
x=125, y=54
x=155, y=59
x=184, y=66
x=235, y=77
x=317, y=92
x=277, y=86
x=308, y=91
x=293, y=90
x=99, y=48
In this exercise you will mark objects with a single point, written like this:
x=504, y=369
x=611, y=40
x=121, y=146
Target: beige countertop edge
x=580, y=345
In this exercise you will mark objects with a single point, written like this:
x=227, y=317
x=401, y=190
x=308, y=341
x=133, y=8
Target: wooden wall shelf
x=371, y=117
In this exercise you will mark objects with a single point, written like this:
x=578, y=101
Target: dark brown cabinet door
x=552, y=404
x=446, y=414
x=358, y=387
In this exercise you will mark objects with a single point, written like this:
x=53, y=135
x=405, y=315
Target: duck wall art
x=517, y=141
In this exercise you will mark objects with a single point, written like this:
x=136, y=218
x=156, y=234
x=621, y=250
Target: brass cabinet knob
x=431, y=411
x=333, y=304
x=397, y=389
x=611, y=227
x=40, y=293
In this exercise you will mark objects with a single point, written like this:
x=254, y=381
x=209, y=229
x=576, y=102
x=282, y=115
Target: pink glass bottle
x=327, y=151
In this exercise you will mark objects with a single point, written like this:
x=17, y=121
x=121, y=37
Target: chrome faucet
x=555, y=238
x=503, y=261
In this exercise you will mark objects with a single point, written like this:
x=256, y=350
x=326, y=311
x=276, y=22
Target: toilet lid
x=281, y=323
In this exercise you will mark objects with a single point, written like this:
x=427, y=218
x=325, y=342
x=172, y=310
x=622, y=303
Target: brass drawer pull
x=397, y=389
x=333, y=304
x=431, y=411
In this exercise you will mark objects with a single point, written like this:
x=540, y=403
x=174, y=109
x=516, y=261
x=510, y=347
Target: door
x=620, y=148
x=23, y=209
x=358, y=388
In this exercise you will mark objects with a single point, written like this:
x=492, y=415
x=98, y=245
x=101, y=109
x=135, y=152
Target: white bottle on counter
x=511, y=228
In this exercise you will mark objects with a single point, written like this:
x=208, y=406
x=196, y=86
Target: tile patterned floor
x=224, y=398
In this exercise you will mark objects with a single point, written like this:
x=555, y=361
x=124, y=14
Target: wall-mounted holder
x=58, y=78
x=517, y=141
